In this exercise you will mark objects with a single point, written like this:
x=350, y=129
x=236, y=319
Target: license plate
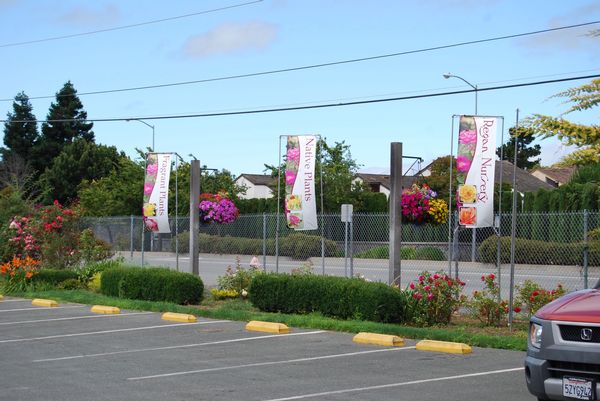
x=581, y=389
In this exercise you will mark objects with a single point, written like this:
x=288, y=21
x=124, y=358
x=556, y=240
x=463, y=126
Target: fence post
x=585, y=249
x=264, y=241
x=131, y=237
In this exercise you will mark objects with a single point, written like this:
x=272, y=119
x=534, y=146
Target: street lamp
x=145, y=123
x=450, y=75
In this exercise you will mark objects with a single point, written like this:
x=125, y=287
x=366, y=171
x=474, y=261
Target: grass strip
x=242, y=311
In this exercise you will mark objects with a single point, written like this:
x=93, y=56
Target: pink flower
x=290, y=177
x=435, y=276
x=293, y=154
x=463, y=164
x=467, y=137
x=148, y=187
x=151, y=224
x=412, y=286
x=152, y=169
x=294, y=220
x=427, y=288
x=429, y=296
x=421, y=278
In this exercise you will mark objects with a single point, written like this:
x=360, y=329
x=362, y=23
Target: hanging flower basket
x=420, y=206
x=217, y=208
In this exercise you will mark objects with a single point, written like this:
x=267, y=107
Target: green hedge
x=297, y=245
x=53, y=276
x=152, y=284
x=406, y=253
x=338, y=297
x=539, y=252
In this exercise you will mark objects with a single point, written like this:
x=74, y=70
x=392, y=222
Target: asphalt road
x=212, y=266
x=67, y=353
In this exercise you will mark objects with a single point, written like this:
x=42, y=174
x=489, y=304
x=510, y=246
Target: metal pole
x=194, y=217
x=499, y=228
x=322, y=211
x=131, y=237
x=586, y=249
x=513, y=229
x=264, y=241
x=346, y=249
x=176, y=207
x=278, y=202
x=395, y=236
x=352, y=247
x=450, y=247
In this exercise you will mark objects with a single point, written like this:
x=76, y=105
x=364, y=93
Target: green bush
x=53, y=277
x=338, y=297
x=296, y=245
x=430, y=253
x=539, y=252
x=152, y=284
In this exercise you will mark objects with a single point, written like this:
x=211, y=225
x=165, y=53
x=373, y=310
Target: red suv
x=563, y=350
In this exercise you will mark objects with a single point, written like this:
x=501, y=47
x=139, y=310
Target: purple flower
x=463, y=164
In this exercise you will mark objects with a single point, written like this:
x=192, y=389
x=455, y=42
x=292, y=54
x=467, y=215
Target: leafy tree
x=79, y=160
x=119, y=193
x=523, y=137
x=20, y=129
x=67, y=121
x=439, y=180
x=587, y=137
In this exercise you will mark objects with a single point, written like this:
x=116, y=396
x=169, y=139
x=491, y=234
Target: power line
x=117, y=28
x=321, y=65
x=320, y=106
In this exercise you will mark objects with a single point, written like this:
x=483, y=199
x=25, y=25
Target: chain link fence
x=550, y=248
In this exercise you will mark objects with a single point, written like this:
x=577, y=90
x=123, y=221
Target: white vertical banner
x=156, y=192
x=475, y=166
x=300, y=196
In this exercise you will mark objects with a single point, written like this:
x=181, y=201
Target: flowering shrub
x=223, y=294
x=532, y=296
x=419, y=205
x=434, y=298
x=485, y=304
x=237, y=279
x=50, y=235
x=17, y=273
x=217, y=208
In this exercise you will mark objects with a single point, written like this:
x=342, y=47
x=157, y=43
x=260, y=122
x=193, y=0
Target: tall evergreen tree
x=67, y=121
x=524, y=151
x=20, y=129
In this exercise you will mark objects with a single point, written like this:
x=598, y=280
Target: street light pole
x=474, y=230
x=449, y=75
x=145, y=123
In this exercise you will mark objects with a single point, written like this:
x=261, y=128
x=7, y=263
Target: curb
x=106, y=310
x=48, y=303
x=386, y=340
x=443, y=346
x=267, y=327
x=179, y=317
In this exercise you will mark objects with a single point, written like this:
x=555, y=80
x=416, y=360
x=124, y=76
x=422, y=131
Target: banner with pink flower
x=475, y=166
x=156, y=192
x=300, y=196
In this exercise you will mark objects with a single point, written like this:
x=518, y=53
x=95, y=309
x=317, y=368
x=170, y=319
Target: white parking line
x=17, y=340
x=37, y=309
x=392, y=385
x=179, y=346
x=250, y=365
x=75, y=318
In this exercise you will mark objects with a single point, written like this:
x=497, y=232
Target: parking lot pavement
x=68, y=353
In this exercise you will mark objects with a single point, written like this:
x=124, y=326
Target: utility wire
x=117, y=28
x=318, y=106
x=313, y=66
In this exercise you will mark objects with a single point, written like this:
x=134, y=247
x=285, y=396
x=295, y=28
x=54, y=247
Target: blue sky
x=279, y=34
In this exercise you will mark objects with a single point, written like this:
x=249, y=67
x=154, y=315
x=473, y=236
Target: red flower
x=491, y=276
x=517, y=309
x=412, y=286
x=483, y=278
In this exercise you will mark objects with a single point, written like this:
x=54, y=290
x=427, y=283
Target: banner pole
x=278, y=207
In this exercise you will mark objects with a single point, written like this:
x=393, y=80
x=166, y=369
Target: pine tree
x=20, y=129
x=524, y=151
x=67, y=121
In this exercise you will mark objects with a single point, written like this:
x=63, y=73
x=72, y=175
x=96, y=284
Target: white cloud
x=231, y=38
x=81, y=16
